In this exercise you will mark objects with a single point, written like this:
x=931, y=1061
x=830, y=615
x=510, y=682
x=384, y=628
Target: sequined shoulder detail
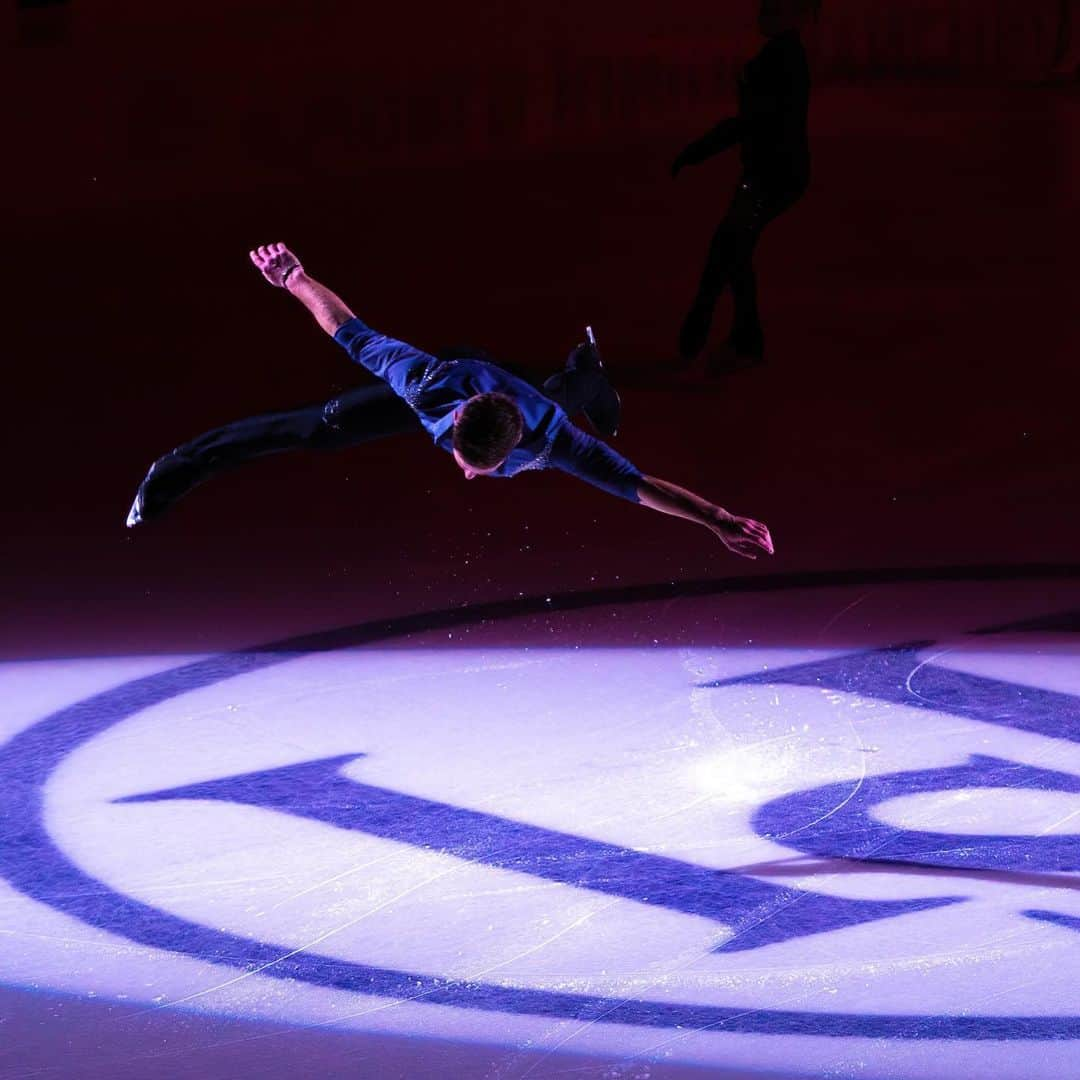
x=541, y=460
x=415, y=390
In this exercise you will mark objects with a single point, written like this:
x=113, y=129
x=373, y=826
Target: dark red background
x=497, y=174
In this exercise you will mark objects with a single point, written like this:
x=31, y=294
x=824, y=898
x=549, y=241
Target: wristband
x=285, y=276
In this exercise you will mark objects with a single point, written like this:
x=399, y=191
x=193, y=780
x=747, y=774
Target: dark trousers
x=356, y=416
x=730, y=261
x=351, y=418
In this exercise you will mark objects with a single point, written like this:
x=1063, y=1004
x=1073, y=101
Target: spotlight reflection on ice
x=745, y=774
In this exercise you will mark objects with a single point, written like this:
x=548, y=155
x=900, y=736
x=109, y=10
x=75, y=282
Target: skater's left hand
x=276, y=263
x=743, y=536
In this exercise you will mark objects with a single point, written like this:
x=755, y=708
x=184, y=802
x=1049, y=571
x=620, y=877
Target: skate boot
x=583, y=386
x=168, y=479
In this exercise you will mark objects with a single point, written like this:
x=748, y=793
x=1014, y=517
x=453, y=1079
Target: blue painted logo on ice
x=327, y=792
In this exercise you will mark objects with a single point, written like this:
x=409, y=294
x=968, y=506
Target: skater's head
x=780, y=16
x=486, y=428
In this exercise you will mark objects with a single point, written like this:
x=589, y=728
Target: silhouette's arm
x=718, y=139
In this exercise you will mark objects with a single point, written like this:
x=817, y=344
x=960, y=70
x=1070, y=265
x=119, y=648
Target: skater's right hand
x=276, y=263
x=743, y=536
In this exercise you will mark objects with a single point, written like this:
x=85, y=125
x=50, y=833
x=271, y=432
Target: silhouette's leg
x=732, y=247
x=746, y=336
x=747, y=339
x=694, y=331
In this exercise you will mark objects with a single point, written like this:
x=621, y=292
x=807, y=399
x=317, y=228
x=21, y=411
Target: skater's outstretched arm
x=744, y=536
x=593, y=461
x=397, y=362
x=283, y=270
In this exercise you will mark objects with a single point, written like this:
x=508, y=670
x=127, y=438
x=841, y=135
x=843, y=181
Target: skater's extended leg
x=357, y=416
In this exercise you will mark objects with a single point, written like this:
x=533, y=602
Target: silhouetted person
x=492, y=422
x=770, y=129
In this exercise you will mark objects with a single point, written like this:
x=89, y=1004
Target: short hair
x=487, y=428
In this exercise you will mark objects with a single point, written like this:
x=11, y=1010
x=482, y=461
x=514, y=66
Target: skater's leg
x=362, y=415
x=574, y=386
x=252, y=437
x=583, y=387
x=357, y=416
x=353, y=417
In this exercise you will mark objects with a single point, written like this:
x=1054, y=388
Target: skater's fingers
x=264, y=254
x=280, y=249
x=254, y=257
x=758, y=542
x=742, y=549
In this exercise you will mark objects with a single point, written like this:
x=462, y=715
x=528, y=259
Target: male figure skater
x=493, y=423
x=770, y=128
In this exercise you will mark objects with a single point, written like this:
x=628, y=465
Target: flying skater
x=770, y=129
x=492, y=422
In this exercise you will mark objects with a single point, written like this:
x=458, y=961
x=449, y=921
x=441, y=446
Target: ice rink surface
x=611, y=835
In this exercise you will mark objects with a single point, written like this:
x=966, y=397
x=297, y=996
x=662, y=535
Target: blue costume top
x=434, y=388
